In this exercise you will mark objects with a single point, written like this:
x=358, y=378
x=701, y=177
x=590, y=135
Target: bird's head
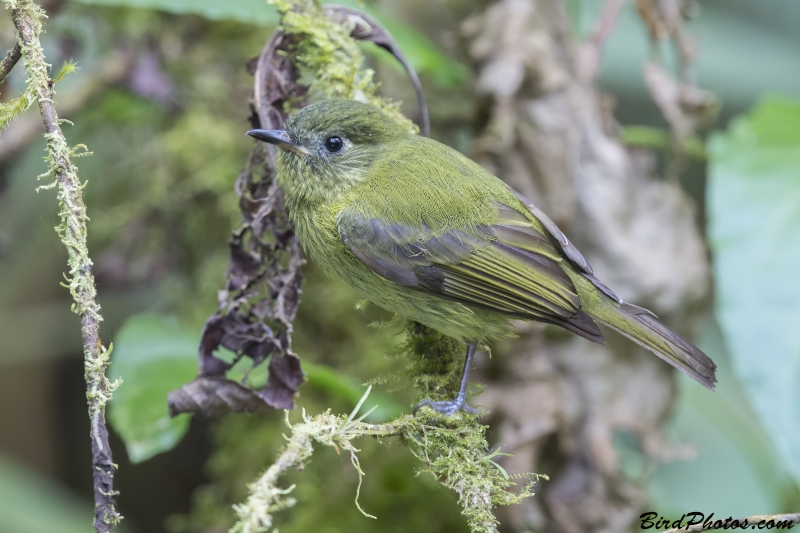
x=329, y=147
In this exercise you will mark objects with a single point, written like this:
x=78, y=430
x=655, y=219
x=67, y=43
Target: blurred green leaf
x=754, y=228
x=336, y=383
x=153, y=354
x=321, y=377
x=645, y=136
x=424, y=56
x=247, y=11
x=657, y=138
x=736, y=470
x=30, y=503
x=121, y=107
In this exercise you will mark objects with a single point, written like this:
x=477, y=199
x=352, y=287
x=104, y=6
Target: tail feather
x=581, y=324
x=640, y=326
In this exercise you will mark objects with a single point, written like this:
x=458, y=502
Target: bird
x=421, y=230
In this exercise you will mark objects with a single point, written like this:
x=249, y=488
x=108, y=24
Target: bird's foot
x=447, y=408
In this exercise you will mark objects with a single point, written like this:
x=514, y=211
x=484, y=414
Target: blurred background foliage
x=161, y=100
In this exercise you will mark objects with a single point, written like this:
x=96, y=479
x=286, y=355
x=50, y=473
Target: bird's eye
x=334, y=144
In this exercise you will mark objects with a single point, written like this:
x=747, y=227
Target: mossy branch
x=454, y=451
x=28, y=18
x=8, y=63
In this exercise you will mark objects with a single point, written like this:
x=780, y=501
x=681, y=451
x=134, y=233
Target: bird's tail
x=640, y=326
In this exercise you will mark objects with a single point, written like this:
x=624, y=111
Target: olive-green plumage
x=421, y=230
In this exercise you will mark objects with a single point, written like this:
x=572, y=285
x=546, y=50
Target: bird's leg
x=450, y=407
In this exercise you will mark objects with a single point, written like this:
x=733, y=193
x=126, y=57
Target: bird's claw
x=447, y=408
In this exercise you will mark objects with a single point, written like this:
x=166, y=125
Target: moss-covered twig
x=9, y=62
x=255, y=515
x=454, y=451
x=28, y=17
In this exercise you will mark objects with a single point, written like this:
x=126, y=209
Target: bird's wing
x=509, y=266
x=573, y=255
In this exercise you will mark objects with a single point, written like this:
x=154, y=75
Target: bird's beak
x=278, y=138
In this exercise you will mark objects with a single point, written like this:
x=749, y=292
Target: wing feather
x=504, y=293
x=511, y=266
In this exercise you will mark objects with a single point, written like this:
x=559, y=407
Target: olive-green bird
x=420, y=230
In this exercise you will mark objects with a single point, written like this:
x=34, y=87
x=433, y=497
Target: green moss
x=434, y=362
x=454, y=450
x=330, y=58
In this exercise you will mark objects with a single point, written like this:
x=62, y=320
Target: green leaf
x=247, y=11
x=153, y=354
x=736, y=470
x=658, y=138
x=424, y=56
x=754, y=228
x=330, y=380
x=645, y=136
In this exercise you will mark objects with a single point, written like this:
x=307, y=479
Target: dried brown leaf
x=213, y=396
